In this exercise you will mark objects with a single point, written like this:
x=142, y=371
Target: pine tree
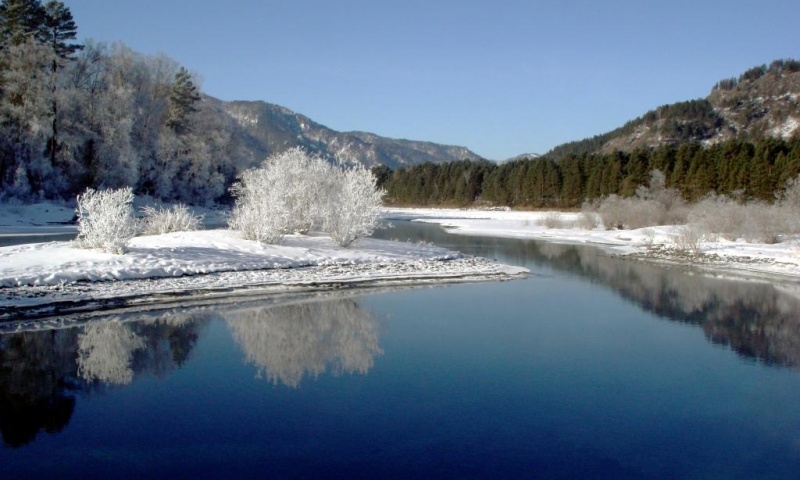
x=182, y=101
x=20, y=20
x=58, y=29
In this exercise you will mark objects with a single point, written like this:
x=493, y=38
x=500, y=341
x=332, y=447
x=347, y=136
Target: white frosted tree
x=260, y=212
x=295, y=192
x=25, y=117
x=353, y=207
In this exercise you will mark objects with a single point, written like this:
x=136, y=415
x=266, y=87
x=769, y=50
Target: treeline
x=96, y=115
x=680, y=122
x=736, y=168
x=777, y=67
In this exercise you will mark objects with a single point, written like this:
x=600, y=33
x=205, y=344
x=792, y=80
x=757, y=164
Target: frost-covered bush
x=587, y=219
x=260, y=212
x=307, y=180
x=352, y=210
x=630, y=213
x=294, y=192
x=755, y=221
x=289, y=193
x=689, y=239
x=718, y=215
x=789, y=200
x=652, y=205
x=160, y=220
x=555, y=220
x=106, y=219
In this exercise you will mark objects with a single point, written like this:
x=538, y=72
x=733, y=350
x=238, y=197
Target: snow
x=193, y=253
x=786, y=129
x=779, y=261
x=43, y=278
x=39, y=218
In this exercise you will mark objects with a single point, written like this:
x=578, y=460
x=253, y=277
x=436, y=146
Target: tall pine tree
x=58, y=30
x=20, y=20
x=182, y=101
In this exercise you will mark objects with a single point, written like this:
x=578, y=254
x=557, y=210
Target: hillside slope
x=265, y=128
x=762, y=102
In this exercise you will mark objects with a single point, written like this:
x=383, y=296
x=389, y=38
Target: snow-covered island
x=56, y=277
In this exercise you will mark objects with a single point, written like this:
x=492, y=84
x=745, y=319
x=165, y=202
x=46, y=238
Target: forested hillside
x=742, y=141
x=747, y=170
x=761, y=102
x=101, y=115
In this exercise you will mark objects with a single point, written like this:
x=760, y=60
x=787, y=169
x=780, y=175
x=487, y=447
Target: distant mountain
x=762, y=102
x=522, y=156
x=264, y=128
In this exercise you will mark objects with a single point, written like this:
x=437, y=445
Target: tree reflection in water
x=288, y=342
x=756, y=320
x=41, y=372
x=105, y=351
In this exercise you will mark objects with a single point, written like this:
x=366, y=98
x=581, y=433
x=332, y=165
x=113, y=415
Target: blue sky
x=501, y=77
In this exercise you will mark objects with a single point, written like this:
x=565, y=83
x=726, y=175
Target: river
x=593, y=367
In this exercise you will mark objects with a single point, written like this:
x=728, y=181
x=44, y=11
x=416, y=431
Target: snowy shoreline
x=778, y=262
x=55, y=278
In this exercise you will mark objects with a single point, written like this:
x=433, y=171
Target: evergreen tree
x=20, y=20
x=58, y=29
x=182, y=101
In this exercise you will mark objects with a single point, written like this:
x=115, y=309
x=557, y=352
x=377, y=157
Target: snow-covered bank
x=55, y=277
x=779, y=261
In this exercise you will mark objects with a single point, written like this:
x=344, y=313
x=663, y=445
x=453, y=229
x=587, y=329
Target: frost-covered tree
x=352, y=209
x=260, y=212
x=294, y=192
x=25, y=118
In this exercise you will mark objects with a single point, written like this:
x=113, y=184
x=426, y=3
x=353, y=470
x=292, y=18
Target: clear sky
x=501, y=77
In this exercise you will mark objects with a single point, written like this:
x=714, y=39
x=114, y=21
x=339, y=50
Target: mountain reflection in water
x=756, y=319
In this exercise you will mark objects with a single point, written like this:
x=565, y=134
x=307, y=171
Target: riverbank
x=664, y=244
x=42, y=279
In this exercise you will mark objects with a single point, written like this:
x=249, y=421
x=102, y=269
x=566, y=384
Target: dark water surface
x=593, y=367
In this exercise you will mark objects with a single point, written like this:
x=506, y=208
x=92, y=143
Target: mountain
x=264, y=128
x=522, y=156
x=761, y=102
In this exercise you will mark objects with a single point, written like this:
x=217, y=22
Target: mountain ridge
x=266, y=128
x=761, y=102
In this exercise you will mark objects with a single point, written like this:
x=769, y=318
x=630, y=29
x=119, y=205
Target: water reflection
x=757, y=320
x=42, y=372
x=105, y=351
x=38, y=379
x=287, y=343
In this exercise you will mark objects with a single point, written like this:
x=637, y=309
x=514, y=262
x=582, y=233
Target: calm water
x=593, y=367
